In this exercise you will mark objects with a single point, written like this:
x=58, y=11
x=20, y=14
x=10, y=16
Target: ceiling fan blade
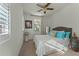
x=47, y=5
x=50, y=8
x=39, y=10
x=40, y=5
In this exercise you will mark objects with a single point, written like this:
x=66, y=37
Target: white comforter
x=45, y=43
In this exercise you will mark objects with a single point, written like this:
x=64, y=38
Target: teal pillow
x=67, y=34
x=60, y=35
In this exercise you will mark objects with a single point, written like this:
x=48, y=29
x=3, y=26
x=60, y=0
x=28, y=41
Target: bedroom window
x=37, y=25
x=4, y=18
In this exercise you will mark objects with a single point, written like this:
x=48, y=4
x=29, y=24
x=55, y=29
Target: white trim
x=4, y=37
x=4, y=41
x=3, y=34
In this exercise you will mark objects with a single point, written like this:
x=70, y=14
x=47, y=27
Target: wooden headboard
x=66, y=29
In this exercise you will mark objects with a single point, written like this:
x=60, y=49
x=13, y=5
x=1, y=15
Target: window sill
x=3, y=34
x=4, y=37
x=4, y=41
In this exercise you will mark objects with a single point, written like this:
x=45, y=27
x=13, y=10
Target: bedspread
x=45, y=43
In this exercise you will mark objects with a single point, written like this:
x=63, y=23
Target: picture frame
x=28, y=24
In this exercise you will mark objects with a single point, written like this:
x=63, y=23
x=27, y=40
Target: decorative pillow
x=60, y=35
x=67, y=34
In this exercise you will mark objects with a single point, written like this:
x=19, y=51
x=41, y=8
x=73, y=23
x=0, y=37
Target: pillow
x=67, y=34
x=60, y=34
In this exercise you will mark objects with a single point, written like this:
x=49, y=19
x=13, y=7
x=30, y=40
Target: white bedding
x=41, y=44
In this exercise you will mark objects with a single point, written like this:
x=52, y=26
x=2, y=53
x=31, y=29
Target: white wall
x=12, y=46
x=68, y=17
x=46, y=21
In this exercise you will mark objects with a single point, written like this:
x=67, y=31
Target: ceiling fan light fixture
x=44, y=8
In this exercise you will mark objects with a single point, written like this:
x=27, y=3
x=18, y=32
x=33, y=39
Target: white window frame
x=6, y=21
x=37, y=22
x=5, y=36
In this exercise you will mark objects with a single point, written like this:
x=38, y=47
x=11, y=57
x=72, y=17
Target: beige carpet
x=28, y=49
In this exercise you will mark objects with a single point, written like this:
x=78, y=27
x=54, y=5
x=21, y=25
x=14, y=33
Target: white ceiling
x=32, y=8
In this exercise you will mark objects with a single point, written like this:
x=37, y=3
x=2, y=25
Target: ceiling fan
x=44, y=8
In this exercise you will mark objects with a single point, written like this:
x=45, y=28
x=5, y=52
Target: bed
x=43, y=46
